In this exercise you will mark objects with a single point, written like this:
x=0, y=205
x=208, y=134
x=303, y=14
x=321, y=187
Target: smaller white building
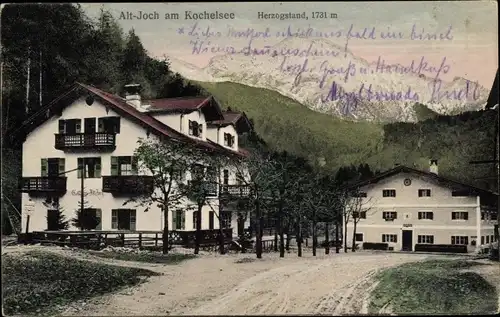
x=405, y=206
x=91, y=133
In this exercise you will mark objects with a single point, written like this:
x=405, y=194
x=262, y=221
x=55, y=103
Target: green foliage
x=85, y=220
x=434, y=287
x=39, y=281
x=423, y=112
x=57, y=220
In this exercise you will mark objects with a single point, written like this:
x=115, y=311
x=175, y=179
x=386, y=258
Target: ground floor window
x=211, y=220
x=359, y=237
x=426, y=239
x=178, y=220
x=464, y=240
x=488, y=239
x=389, y=238
x=123, y=219
x=89, y=219
x=194, y=219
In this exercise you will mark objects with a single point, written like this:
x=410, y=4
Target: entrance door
x=89, y=125
x=407, y=240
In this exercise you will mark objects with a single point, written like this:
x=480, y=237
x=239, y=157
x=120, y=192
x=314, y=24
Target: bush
x=446, y=248
x=375, y=246
x=40, y=281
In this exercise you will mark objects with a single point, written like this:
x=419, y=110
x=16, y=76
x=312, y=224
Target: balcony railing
x=235, y=190
x=50, y=184
x=128, y=184
x=210, y=188
x=98, y=140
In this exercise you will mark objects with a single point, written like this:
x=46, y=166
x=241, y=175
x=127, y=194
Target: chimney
x=433, y=166
x=132, y=95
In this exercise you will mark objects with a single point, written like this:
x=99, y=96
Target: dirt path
x=216, y=285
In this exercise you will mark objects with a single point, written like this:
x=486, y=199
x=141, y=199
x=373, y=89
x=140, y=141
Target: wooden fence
x=121, y=238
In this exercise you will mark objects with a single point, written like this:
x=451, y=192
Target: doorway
x=407, y=240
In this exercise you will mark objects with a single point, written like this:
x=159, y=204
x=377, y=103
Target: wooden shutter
x=116, y=124
x=174, y=220
x=466, y=215
x=44, y=167
x=200, y=129
x=135, y=161
x=132, y=219
x=100, y=125
x=98, y=213
x=114, y=166
x=183, y=220
x=97, y=168
x=62, y=166
x=191, y=127
x=431, y=215
x=114, y=219
x=211, y=220
x=62, y=126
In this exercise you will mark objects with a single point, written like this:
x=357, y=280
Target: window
x=178, y=220
x=108, y=125
x=460, y=240
x=482, y=240
x=424, y=193
x=428, y=239
x=90, y=219
x=389, y=238
x=228, y=139
x=195, y=129
x=359, y=194
x=197, y=172
x=488, y=239
x=52, y=167
x=389, y=215
x=460, y=215
x=89, y=125
x=70, y=126
x=361, y=215
x=211, y=220
x=123, y=165
x=226, y=219
x=429, y=215
x=359, y=237
x=123, y=219
x=493, y=215
x=225, y=177
x=194, y=220
x=91, y=166
x=389, y=193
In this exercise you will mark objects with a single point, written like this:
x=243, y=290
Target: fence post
x=140, y=240
x=105, y=240
x=156, y=239
x=123, y=239
x=98, y=241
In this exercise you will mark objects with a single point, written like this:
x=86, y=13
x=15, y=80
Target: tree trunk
x=258, y=229
x=275, y=245
x=197, y=239
x=337, y=237
x=354, y=236
x=345, y=236
x=299, y=239
x=327, y=238
x=288, y=237
x=221, y=232
x=164, y=237
x=314, y=234
x=282, y=237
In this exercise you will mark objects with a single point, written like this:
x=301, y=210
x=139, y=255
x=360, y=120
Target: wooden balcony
x=82, y=141
x=43, y=185
x=127, y=184
x=209, y=187
x=235, y=190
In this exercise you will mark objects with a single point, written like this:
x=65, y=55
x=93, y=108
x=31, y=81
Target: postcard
x=250, y=158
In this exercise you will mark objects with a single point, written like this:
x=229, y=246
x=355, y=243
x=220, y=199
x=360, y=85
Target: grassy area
x=148, y=257
x=434, y=287
x=39, y=282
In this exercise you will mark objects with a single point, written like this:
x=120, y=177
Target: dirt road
x=217, y=285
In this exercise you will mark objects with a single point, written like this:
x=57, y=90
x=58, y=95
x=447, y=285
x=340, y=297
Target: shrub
x=375, y=246
x=446, y=248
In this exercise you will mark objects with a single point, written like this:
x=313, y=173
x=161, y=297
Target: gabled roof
x=119, y=105
x=238, y=119
x=405, y=169
x=208, y=105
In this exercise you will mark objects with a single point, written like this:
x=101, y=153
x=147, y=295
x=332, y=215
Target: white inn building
x=90, y=131
x=405, y=206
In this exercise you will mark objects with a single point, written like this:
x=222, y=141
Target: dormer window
x=228, y=140
x=195, y=129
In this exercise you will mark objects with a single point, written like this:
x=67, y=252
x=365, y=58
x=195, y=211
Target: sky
x=471, y=47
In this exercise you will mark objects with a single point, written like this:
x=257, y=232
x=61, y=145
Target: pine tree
x=86, y=220
x=57, y=220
